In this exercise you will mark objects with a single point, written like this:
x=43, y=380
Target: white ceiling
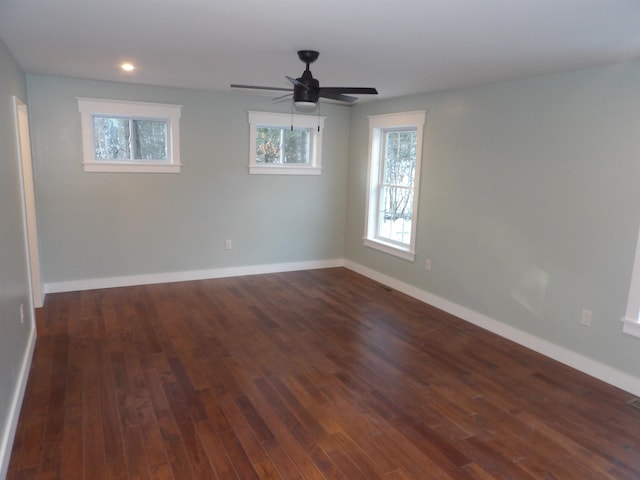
x=400, y=47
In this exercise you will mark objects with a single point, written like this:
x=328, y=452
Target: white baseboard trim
x=16, y=404
x=149, y=279
x=584, y=364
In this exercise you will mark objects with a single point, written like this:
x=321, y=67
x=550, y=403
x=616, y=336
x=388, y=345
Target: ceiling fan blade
x=296, y=83
x=282, y=98
x=357, y=90
x=337, y=96
x=259, y=87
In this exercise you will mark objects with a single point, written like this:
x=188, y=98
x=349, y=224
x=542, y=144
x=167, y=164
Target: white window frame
x=284, y=120
x=378, y=124
x=631, y=319
x=90, y=107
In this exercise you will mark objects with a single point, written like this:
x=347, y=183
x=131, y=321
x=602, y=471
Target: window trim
x=89, y=107
x=377, y=125
x=285, y=120
x=631, y=319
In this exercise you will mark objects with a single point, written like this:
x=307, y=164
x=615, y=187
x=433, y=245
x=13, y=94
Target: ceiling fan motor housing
x=307, y=89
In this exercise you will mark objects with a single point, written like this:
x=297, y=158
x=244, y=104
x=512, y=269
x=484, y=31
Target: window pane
x=111, y=138
x=394, y=220
x=268, y=145
x=296, y=146
x=400, y=158
x=150, y=139
x=279, y=145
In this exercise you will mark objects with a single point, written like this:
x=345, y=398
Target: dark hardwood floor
x=318, y=374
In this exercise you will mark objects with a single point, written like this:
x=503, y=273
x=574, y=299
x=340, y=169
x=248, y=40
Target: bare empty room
x=352, y=240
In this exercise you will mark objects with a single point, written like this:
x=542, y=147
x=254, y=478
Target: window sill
x=283, y=170
x=391, y=249
x=121, y=167
x=632, y=327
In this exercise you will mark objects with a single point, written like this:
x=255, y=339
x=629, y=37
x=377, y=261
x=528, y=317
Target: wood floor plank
x=238, y=456
x=155, y=452
x=94, y=462
x=307, y=375
x=215, y=450
x=174, y=446
x=279, y=458
x=71, y=448
x=184, y=417
x=266, y=471
x=245, y=433
x=137, y=465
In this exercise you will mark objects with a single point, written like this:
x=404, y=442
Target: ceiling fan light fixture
x=305, y=105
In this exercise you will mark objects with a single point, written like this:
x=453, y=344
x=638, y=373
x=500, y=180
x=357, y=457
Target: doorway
x=29, y=201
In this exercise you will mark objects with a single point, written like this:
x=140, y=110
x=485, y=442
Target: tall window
x=129, y=136
x=395, y=151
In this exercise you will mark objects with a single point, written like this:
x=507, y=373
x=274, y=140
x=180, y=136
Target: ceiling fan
x=307, y=90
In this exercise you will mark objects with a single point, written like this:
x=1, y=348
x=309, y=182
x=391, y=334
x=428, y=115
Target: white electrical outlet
x=427, y=264
x=228, y=245
x=22, y=313
x=585, y=319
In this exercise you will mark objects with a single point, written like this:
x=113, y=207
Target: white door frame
x=29, y=201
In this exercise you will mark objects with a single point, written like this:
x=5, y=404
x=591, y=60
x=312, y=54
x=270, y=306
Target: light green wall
x=529, y=206
x=101, y=225
x=14, y=287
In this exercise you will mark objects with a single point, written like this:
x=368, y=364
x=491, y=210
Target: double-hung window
x=121, y=136
x=285, y=144
x=395, y=152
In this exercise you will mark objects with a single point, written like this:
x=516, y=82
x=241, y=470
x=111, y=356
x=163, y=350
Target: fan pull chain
x=319, y=103
x=292, y=114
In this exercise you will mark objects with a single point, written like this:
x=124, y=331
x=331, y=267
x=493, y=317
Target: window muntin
x=286, y=144
x=394, y=170
x=129, y=136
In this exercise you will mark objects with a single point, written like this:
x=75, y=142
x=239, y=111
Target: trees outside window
x=118, y=138
x=282, y=145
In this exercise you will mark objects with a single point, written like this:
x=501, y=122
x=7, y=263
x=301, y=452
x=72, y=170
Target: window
x=120, y=136
x=282, y=143
x=395, y=151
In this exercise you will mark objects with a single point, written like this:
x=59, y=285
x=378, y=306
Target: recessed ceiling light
x=128, y=67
